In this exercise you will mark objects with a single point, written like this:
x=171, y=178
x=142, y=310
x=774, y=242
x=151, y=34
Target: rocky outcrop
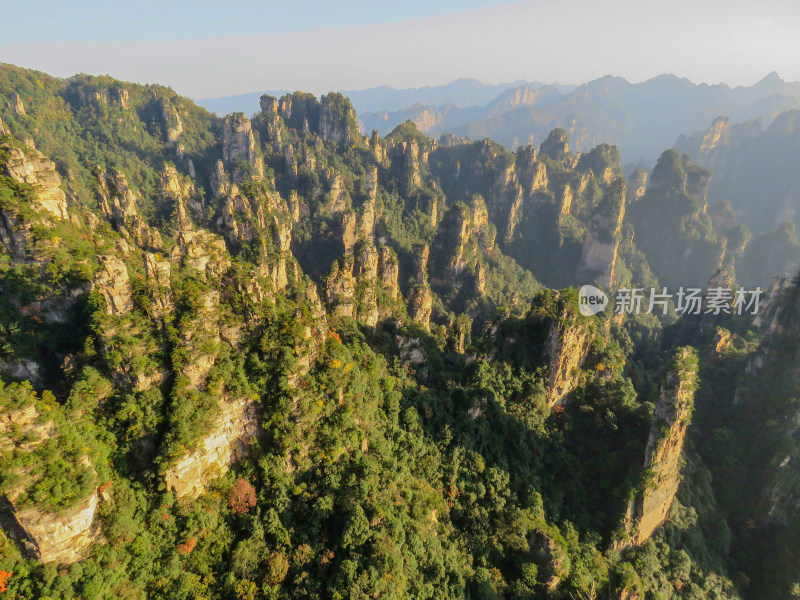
x=269, y=108
x=16, y=104
x=177, y=194
x=173, y=126
x=405, y=157
x=420, y=302
x=365, y=271
x=157, y=271
x=31, y=167
x=556, y=146
x=664, y=451
x=337, y=119
x=566, y=348
x=464, y=237
x=239, y=144
x=637, y=185
x=201, y=251
x=377, y=146
x=599, y=255
x=340, y=288
x=118, y=201
x=338, y=195
x=200, y=338
x=388, y=272
x=114, y=285
x=232, y=433
x=531, y=173
x=62, y=537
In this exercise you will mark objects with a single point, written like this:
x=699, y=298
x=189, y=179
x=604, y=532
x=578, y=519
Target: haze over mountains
x=641, y=118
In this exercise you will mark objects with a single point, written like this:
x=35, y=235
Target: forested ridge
x=272, y=357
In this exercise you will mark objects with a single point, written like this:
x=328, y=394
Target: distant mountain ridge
x=460, y=92
x=640, y=118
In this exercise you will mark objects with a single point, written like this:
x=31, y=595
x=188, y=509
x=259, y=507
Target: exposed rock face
x=340, y=288
x=16, y=104
x=32, y=167
x=337, y=119
x=118, y=202
x=637, y=185
x=421, y=297
x=551, y=557
x=158, y=275
x=232, y=433
x=664, y=449
x=349, y=234
x=172, y=121
x=114, y=285
x=48, y=537
x=773, y=374
x=599, y=257
x=338, y=195
x=176, y=191
x=388, y=272
x=220, y=182
x=421, y=305
x=351, y=286
x=531, y=173
x=63, y=538
x=465, y=236
x=3, y=129
x=566, y=349
x=716, y=135
x=239, y=144
x=120, y=96
x=556, y=146
x=201, y=338
x=378, y=146
x=407, y=156
x=366, y=274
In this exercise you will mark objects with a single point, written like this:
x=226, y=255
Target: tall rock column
x=650, y=507
x=599, y=257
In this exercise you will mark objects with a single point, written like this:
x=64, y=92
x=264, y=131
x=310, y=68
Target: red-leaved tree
x=242, y=497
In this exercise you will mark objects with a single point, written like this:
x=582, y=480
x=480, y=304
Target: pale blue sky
x=205, y=50
x=157, y=20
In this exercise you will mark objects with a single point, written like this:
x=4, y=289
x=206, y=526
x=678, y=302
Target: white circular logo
x=591, y=300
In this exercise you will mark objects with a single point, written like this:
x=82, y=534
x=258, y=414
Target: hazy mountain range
x=641, y=118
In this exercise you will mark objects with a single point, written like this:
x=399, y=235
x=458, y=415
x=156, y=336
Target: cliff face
x=600, y=248
x=664, y=450
x=773, y=375
x=63, y=536
x=233, y=432
x=557, y=213
x=238, y=144
x=45, y=201
x=566, y=349
x=27, y=165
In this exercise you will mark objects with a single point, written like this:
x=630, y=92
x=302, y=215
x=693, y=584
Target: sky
x=204, y=49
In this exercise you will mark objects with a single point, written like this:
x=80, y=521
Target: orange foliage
x=242, y=497
x=188, y=546
x=4, y=577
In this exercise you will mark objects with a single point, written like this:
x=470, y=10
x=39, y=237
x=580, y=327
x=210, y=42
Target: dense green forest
x=271, y=357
